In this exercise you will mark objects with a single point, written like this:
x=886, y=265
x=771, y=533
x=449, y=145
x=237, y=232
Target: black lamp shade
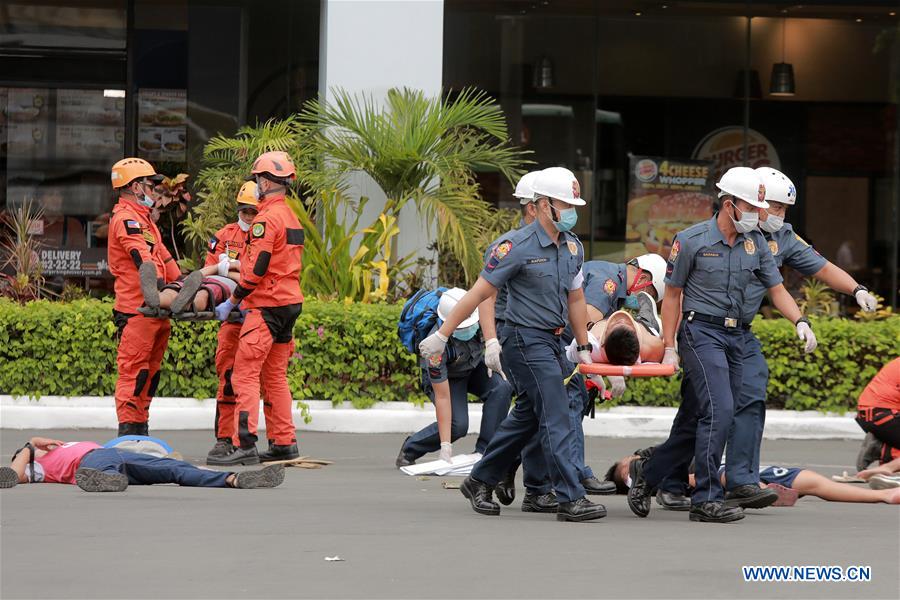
x=782, y=83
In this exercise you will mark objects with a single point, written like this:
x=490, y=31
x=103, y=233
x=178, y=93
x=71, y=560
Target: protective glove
x=597, y=380
x=618, y=386
x=433, y=345
x=492, y=357
x=671, y=358
x=805, y=333
x=866, y=301
x=224, y=265
x=584, y=357
x=224, y=309
x=446, y=451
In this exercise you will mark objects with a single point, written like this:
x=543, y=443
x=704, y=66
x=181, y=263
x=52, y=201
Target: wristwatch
x=803, y=320
x=859, y=288
x=585, y=347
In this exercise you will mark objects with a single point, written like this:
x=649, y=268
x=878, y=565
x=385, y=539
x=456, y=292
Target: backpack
x=418, y=317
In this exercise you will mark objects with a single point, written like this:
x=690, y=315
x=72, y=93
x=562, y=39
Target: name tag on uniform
x=534, y=261
x=711, y=254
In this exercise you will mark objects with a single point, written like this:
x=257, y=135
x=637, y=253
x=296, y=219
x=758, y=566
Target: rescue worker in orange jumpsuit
x=269, y=291
x=230, y=242
x=141, y=264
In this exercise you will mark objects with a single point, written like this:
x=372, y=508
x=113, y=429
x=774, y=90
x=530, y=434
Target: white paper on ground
x=461, y=464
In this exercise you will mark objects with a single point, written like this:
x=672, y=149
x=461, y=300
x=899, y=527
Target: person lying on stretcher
x=622, y=339
x=200, y=291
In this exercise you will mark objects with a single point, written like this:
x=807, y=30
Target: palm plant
x=417, y=149
x=21, y=249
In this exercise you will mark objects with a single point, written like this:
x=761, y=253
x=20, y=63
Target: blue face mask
x=631, y=302
x=464, y=335
x=567, y=219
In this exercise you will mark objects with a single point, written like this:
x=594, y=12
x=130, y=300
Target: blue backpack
x=418, y=317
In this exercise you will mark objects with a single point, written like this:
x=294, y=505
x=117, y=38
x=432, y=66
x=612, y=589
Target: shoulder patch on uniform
x=213, y=242
x=676, y=248
x=749, y=245
x=609, y=286
x=773, y=247
x=259, y=229
x=573, y=248
x=501, y=249
x=132, y=226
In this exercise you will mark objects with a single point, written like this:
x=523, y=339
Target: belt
x=557, y=332
x=726, y=322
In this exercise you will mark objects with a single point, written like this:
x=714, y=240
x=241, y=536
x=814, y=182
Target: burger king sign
x=725, y=148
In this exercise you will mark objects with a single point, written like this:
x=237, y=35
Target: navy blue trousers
x=536, y=367
x=712, y=361
x=745, y=437
x=494, y=392
x=143, y=469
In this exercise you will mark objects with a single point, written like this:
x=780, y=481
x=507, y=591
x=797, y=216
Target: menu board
x=665, y=196
x=27, y=122
x=162, y=124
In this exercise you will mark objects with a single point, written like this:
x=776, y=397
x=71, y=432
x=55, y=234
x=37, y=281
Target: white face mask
x=244, y=225
x=749, y=220
x=145, y=199
x=772, y=223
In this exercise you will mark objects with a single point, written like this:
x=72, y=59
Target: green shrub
x=350, y=352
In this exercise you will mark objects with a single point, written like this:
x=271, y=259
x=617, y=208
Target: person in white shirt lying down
x=621, y=339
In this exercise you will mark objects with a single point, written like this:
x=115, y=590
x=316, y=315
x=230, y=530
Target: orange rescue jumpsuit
x=134, y=239
x=270, y=289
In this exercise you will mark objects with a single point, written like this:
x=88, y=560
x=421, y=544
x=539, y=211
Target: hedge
x=350, y=352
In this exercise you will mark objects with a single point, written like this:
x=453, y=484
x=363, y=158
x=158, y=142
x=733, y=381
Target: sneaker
x=647, y=315
x=884, y=482
x=147, y=275
x=267, y=477
x=786, y=495
x=189, y=287
x=223, y=447
x=8, y=478
x=869, y=452
x=238, y=456
x=402, y=459
x=92, y=480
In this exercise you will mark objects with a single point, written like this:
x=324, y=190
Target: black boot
x=594, y=486
x=540, y=503
x=750, y=496
x=639, y=493
x=277, y=452
x=580, y=510
x=402, y=459
x=223, y=447
x=715, y=512
x=479, y=495
x=238, y=456
x=506, y=489
x=129, y=429
x=143, y=429
x=673, y=500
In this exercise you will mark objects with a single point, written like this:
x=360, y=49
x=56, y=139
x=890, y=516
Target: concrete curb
x=59, y=412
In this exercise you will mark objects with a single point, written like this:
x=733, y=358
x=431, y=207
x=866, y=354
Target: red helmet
x=275, y=163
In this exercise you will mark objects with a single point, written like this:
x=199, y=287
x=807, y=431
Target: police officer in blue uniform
x=708, y=273
x=787, y=248
x=541, y=266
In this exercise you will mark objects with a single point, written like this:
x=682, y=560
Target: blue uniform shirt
x=457, y=360
x=714, y=276
x=538, y=273
x=789, y=249
x=605, y=285
x=500, y=302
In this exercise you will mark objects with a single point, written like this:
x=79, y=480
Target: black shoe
x=143, y=429
x=129, y=429
x=639, y=493
x=92, y=480
x=267, y=477
x=715, y=512
x=750, y=496
x=277, y=452
x=647, y=315
x=540, y=503
x=580, y=510
x=869, y=452
x=189, y=287
x=402, y=459
x=506, y=489
x=223, y=447
x=8, y=478
x=238, y=456
x=595, y=487
x=479, y=495
x=149, y=283
x=673, y=501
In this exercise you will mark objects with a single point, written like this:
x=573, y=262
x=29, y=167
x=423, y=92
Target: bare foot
x=892, y=496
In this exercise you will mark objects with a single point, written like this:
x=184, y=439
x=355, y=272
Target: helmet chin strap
x=635, y=286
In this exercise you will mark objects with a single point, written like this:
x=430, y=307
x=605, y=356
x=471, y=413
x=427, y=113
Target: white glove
x=492, y=357
x=584, y=357
x=618, y=386
x=598, y=381
x=805, y=333
x=671, y=357
x=224, y=265
x=433, y=345
x=866, y=301
x=446, y=451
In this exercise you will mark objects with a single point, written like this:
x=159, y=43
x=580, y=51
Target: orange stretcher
x=645, y=370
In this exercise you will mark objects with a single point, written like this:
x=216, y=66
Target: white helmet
x=524, y=192
x=448, y=301
x=743, y=183
x=778, y=187
x=559, y=183
x=656, y=266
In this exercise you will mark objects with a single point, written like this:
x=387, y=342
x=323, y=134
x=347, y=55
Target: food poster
x=162, y=120
x=27, y=122
x=89, y=125
x=665, y=196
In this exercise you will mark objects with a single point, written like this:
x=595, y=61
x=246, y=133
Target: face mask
x=244, y=225
x=772, y=224
x=631, y=302
x=256, y=191
x=748, y=222
x=567, y=218
x=464, y=335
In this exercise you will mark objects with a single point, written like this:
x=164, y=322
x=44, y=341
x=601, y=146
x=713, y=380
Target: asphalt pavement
x=402, y=537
